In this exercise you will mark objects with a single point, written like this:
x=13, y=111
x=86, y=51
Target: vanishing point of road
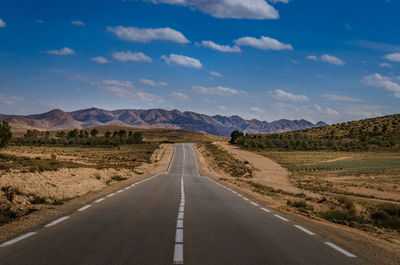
x=178, y=217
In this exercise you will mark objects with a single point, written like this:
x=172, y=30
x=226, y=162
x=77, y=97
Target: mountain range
x=152, y=118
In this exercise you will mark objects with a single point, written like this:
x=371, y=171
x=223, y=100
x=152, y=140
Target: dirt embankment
x=48, y=195
x=377, y=246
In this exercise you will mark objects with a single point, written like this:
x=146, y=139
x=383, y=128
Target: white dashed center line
x=265, y=210
x=255, y=204
x=110, y=195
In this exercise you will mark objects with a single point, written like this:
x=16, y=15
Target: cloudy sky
x=318, y=60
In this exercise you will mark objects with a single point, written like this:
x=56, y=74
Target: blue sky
x=318, y=60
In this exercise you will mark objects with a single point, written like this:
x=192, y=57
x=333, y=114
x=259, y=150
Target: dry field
x=360, y=190
x=30, y=179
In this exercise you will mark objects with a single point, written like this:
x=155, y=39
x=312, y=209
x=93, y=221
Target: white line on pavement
x=99, y=200
x=255, y=204
x=110, y=195
x=282, y=218
x=84, y=207
x=341, y=250
x=179, y=224
x=178, y=254
x=17, y=239
x=59, y=220
x=265, y=210
x=305, y=230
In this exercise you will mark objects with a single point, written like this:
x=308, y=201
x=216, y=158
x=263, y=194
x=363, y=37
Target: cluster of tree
x=372, y=134
x=77, y=137
x=5, y=134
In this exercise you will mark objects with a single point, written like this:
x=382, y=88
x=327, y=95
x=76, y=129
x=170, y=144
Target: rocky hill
x=152, y=118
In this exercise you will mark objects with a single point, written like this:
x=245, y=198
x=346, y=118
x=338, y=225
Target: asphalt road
x=178, y=217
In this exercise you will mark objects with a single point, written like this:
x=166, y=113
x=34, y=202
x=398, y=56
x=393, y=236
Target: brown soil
x=377, y=246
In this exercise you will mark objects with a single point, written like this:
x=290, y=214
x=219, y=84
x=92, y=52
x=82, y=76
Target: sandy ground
x=377, y=249
x=266, y=171
x=82, y=185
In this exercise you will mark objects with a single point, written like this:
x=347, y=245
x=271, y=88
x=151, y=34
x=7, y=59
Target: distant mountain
x=152, y=118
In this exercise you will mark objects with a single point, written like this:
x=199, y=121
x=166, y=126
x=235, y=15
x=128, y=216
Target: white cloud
x=279, y=1
x=312, y=57
x=150, y=82
x=217, y=47
x=334, y=97
x=148, y=34
x=100, y=59
x=78, y=23
x=249, y=9
x=387, y=65
x=126, y=56
x=2, y=23
x=10, y=99
x=263, y=43
x=279, y=94
x=219, y=90
x=223, y=108
x=331, y=59
x=216, y=74
x=394, y=57
x=63, y=51
x=185, y=61
x=257, y=110
x=125, y=84
x=125, y=90
x=379, y=81
x=326, y=58
x=179, y=96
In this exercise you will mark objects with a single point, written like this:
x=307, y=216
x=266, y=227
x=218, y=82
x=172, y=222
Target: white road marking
x=246, y=199
x=265, y=209
x=120, y=191
x=17, y=239
x=179, y=236
x=84, y=207
x=99, y=200
x=255, y=204
x=282, y=218
x=180, y=215
x=178, y=254
x=181, y=209
x=240, y=195
x=110, y=195
x=341, y=250
x=59, y=220
x=305, y=230
x=127, y=188
x=179, y=224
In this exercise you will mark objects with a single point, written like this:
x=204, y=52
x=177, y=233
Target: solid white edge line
x=99, y=200
x=305, y=230
x=84, y=208
x=178, y=254
x=255, y=204
x=17, y=239
x=127, y=188
x=341, y=250
x=120, y=191
x=246, y=199
x=110, y=195
x=59, y=220
x=265, y=210
x=282, y=218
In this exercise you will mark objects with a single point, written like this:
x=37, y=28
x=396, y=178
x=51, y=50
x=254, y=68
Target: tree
x=137, y=138
x=94, y=132
x=5, y=134
x=60, y=134
x=73, y=133
x=122, y=133
x=235, y=135
x=107, y=134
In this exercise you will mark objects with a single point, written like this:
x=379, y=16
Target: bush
x=5, y=134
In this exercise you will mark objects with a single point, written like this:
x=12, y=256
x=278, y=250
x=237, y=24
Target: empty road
x=174, y=218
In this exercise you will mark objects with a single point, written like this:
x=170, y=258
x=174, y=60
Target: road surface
x=174, y=218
